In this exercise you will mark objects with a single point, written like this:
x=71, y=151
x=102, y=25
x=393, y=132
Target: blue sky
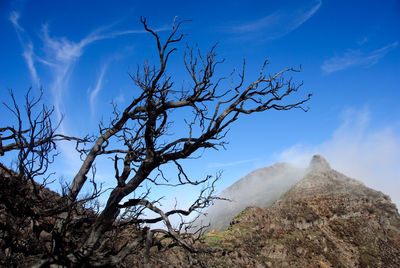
x=80, y=53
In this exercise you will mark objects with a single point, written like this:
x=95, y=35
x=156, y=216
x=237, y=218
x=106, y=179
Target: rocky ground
x=325, y=220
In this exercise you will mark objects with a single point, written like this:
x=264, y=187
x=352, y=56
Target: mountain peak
x=325, y=220
x=319, y=162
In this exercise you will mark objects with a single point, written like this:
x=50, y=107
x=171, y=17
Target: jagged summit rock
x=325, y=220
x=319, y=162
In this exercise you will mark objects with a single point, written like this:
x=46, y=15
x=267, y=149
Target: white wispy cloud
x=371, y=155
x=229, y=164
x=60, y=56
x=120, y=98
x=363, y=41
x=29, y=58
x=27, y=46
x=96, y=90
x=14, y=18
x=278, y=23
x=353, y=58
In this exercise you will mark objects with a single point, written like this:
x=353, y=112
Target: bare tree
x=33, y=136
x=139, y=141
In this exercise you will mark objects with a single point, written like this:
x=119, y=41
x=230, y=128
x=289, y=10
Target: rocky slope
x=325, y=220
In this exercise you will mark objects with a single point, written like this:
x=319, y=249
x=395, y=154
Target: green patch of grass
x=217, y=239
x=214, y=237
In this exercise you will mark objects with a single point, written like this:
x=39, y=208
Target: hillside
x=325, y=220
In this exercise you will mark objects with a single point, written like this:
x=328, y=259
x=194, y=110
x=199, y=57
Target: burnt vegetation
x=138, y=141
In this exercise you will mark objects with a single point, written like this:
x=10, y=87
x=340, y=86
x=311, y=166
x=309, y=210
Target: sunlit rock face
x=325, y=220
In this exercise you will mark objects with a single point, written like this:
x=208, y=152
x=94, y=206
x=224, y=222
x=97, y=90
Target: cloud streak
x=355, y=58
x=63, y=54
x=279, y=23
x=359, y=151
x=230, y=164
x=60, y=56
x=96, y=90
x=27, y=46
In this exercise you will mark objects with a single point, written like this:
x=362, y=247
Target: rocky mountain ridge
x=325, y=220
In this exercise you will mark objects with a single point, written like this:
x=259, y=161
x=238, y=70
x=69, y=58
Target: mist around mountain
x=325, y=220
x=259, y=188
